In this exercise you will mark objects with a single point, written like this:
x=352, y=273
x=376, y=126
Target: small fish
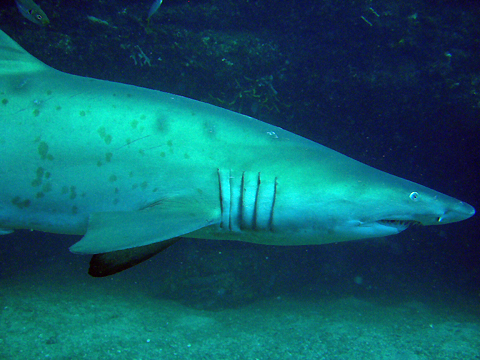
x=32, y=12
x=153, y=9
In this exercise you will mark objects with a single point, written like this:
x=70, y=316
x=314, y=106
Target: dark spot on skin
x=36, y=112
x=43, y=149
x=200, y=191
x=50, y=157
x=102, y=131
x=49, y=92
x=169, y=142
x=130, y=174
x=161, y=124
x=19, y=203
x=58, y=108
x=40, y=195
x=47, y=187
x=162, y=154
x=117, y=191
x=144, y=185
x=74, y=210
x=155, y=190
x=116, y=201
x=38, y=181
x=103, y=134
x=73, y=192
x=134, y=186
x=40, y=172
x=83, y=113
x=47, y=175
x=108, y=157
x=134, y=124
x=112, y=178
x=99, y=163
x=186, y=156
x=4, y=101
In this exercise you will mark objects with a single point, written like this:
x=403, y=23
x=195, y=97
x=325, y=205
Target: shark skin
x=132, y=168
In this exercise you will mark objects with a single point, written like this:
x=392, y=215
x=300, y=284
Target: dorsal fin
x=15, y=60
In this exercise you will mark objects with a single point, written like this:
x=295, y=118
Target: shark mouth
x=400, y=225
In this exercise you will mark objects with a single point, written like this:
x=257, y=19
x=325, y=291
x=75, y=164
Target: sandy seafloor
x=56, y=311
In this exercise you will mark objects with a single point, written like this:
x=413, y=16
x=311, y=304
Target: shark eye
x=414, y=196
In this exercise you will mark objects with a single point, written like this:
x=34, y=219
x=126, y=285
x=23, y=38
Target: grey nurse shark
x=133, y=169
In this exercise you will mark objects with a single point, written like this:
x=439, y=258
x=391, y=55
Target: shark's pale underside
x=133, y=169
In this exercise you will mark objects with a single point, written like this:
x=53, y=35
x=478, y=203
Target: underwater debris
x=259, y=95
x=139, y=57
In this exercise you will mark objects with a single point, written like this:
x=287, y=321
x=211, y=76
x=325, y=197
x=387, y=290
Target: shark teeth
x=398, y=223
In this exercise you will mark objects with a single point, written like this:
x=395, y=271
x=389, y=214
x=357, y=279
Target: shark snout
x=458, y=212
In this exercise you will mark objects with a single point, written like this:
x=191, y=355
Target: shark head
x=391, y=205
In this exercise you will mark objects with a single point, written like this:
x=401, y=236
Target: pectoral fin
x=113, y=262
x=113, y=231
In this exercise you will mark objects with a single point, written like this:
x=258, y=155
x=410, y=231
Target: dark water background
x=394, y=84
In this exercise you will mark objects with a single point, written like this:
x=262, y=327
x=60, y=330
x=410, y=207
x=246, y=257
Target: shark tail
x=14, y=60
